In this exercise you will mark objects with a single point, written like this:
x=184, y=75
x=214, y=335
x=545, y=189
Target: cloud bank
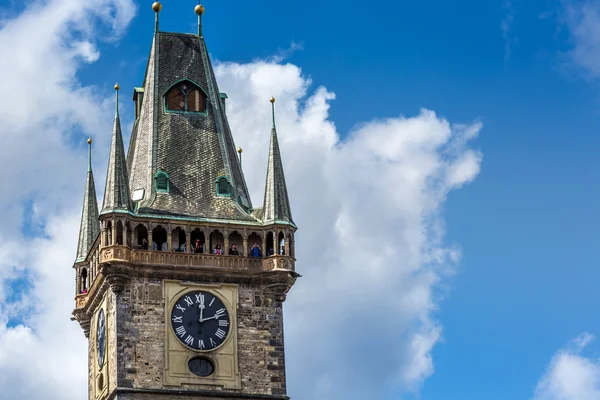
x=369, y=206
x=571, y=375
x=581, y=18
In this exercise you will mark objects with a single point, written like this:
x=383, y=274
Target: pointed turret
x=90, y=226
x=277, y=204
x=116, y=192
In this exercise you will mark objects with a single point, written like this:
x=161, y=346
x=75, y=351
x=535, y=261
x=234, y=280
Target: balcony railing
x=167, y=258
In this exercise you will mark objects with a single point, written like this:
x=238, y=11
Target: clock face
x=200, y=321
x=101, y=338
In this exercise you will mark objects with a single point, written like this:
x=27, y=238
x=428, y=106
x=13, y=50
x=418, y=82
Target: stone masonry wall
x=140, y=339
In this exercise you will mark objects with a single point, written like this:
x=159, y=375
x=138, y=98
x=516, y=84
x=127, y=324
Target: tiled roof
x=90, y=226
x=193, y=149
x=116, y=192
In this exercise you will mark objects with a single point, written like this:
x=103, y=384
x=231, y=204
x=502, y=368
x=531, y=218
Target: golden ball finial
x=90, y=141
x=117, y=87
x=272, y=100
x=240, y=150
x=199, y=9
x=156, y=6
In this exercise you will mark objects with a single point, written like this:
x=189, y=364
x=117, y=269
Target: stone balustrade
x=124, y=254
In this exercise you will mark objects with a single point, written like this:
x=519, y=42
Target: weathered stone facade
x=141, y=338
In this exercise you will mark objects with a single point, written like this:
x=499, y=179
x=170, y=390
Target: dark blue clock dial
x=200, y=321
x=101, y=338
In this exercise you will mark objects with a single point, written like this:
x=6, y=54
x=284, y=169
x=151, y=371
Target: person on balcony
x=218, y=250
x=183, y=248
x=270, y=252
x=255, y=250
x=198, y=246
x=233, y=251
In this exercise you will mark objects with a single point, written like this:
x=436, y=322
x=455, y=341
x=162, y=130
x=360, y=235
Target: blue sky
x=526, y=283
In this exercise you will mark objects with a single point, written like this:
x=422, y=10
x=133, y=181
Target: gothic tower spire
x=277, y=204
x=90, y=226
x=116, y=192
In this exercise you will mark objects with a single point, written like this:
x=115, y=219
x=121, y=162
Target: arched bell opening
x=197, y=241
x=254, y=245
x=281, y=250
x=178, y=240
x=109, y=236
x=84, y=281
x=141, y=237
x=236, y=244
x=269, y=243
x=119, y=239
x=217, y=243
x=159, y=238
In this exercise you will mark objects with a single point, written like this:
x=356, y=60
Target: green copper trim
x=158, y=175
x=228, y=194
x=199, y=23
x=200, y=113
x=89, y=155
x=117, y=104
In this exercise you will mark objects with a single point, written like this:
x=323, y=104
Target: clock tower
x=180, y=280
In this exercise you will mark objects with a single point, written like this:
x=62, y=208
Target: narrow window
x=223, y=187
x=162, y=181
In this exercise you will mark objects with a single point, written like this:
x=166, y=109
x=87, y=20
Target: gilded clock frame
x=224, y=357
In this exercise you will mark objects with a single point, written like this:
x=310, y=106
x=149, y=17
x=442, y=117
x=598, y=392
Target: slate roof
x=116, y=192
x=90, y=225
x=277, y=203
x=193, y=149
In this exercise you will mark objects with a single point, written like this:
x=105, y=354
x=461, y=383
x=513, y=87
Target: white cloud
x=370, y=244
x=582, y=21
x=371, y=241
x=571, y=375
x=43, y=109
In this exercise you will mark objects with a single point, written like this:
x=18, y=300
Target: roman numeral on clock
x=180, y=331
x=200, y=299
x=220, y=313
x=189, y=340
x=220, y=333
x=223, y=322
x=201, y=344
x=178, y=319
x=180, y=308
x=213, y=343
x=188, y=300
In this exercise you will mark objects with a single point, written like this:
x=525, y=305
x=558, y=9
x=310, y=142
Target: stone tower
x=179, y=279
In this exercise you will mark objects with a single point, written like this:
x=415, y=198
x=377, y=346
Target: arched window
x=223, y=186
x=162, y=181
x=185, y=96
x=159, y=238
x=119, y=238
x=84, y=281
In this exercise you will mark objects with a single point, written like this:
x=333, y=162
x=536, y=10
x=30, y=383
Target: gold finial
x=90, y=141
x=117, y=87
x=157, y=7
x=272, y=100
x=240, y=150
x=199, y=9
